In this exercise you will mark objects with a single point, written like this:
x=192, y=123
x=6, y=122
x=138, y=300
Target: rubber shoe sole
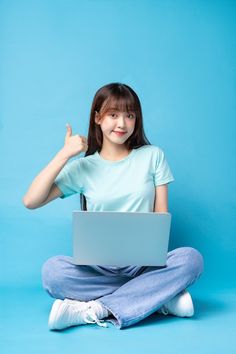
x=181, y=305
x=53, y=317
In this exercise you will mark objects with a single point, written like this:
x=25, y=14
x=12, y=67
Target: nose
x=121, y=122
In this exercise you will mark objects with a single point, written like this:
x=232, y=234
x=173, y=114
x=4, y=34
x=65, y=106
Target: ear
x=97, y=118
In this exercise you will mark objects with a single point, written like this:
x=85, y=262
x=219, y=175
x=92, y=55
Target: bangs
x=124, y=103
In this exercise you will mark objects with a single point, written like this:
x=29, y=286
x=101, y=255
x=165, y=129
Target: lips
x=119, y=133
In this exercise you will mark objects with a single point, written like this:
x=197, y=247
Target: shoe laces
x=90, y=317
x=164, y=310
x=85, y=312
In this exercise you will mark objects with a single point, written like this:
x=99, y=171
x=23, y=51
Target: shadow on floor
x=204, y=309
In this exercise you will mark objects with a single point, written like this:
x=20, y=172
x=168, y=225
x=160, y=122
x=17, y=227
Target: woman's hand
x=74, y=144
x=42, y=189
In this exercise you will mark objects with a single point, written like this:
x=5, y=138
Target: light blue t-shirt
x=124, y=185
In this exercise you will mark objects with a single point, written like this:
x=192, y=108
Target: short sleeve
x=69, y=179
x=162, y=173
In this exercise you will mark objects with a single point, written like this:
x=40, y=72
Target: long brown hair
x=122, y=98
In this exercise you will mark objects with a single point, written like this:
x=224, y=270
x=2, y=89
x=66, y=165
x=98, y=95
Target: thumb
x=68, y=131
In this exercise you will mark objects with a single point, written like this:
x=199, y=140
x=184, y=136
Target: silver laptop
x=120, y=238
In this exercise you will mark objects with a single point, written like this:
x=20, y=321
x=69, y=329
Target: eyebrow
x=117, y=110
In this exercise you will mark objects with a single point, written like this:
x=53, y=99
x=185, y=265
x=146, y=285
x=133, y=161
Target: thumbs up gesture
x=74, y=144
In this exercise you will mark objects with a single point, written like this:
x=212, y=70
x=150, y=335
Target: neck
x=113, y=151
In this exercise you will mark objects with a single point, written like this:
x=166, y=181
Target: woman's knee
x=195, y=261
x=52, y=272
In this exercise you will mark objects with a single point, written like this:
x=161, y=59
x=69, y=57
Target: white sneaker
x=67, y=313
x=181, y=305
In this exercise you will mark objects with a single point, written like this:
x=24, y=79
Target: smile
x=119, y=133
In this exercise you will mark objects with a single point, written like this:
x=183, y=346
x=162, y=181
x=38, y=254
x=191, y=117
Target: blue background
x=179, y=57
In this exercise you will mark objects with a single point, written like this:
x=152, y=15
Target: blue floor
x=211, y=330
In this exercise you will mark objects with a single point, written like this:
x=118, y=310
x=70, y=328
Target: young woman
x=121, y=171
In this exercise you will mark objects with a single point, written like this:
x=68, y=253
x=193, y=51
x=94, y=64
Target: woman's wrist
x=62, y=155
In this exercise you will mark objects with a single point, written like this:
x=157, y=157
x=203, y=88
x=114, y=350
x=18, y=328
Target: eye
x=112, y=115
x=131, y=115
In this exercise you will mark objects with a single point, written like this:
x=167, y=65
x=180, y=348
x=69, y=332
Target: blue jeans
x=130, y=293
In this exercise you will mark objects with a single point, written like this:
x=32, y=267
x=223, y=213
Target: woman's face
x=114, y=122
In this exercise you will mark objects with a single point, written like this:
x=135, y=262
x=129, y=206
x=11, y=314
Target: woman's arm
x=161, y=199
x=42, y=185
x=43, y=189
